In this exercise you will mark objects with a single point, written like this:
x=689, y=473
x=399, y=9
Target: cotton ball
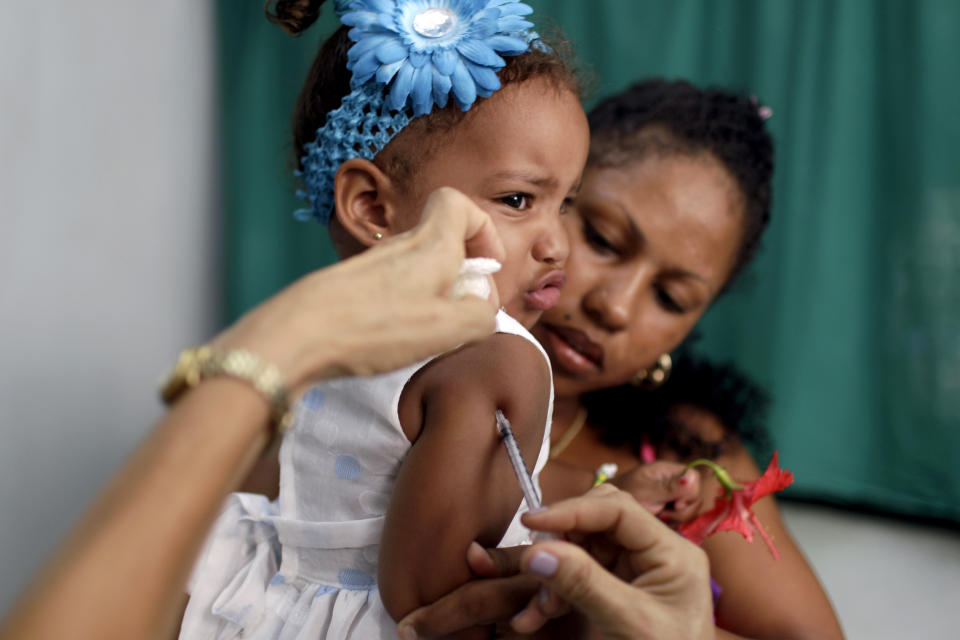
x=474, y=280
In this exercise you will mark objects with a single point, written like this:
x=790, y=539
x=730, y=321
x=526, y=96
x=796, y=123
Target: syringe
x=516, y=459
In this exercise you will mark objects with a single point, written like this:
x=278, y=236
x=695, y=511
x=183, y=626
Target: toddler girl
x=386, y=480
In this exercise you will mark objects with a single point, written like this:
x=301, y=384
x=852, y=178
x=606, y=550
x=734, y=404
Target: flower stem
x=723, y=476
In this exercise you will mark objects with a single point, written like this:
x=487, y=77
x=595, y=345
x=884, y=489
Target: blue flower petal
x=360, y=19
x=479, y=53
x=357, y=34
x=485, y=77
x=510, y=24
x=441, y=87
x=365, y=67
x=368, y=42
x=386, y=72
x=485, y=24
x=387, y=22
x=400, y=90
x=380, y=6
x=391, y=51
x=514, y=9
x=418, y=59
x=464, y=88
x=507, y=45
x=422, y=86
x=445, y=60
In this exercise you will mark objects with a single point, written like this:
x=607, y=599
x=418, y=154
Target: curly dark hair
x=660, y=116
x=627, y=414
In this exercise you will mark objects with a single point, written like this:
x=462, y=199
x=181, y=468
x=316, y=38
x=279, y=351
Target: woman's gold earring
x=653, y=378
x=378, y=236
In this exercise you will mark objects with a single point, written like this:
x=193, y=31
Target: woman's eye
x=667, y=302
x=567, y=204
x=518, y=201
x=596, y=240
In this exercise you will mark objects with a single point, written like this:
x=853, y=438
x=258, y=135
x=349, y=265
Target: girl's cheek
x=504, y=281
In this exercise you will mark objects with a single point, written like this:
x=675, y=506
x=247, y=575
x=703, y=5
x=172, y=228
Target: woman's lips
x=573, y=350
x=546, y=294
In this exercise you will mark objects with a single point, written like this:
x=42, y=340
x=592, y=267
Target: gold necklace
x=578, y=421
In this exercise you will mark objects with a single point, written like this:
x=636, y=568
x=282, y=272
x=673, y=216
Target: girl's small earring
x=653, y=378
x=378, y=236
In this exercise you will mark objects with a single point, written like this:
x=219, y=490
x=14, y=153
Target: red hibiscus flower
x=733, y=508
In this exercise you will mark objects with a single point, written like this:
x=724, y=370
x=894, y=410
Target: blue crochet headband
x=407, y=57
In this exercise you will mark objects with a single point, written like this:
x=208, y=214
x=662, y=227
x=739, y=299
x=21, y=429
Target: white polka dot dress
x=305, y=567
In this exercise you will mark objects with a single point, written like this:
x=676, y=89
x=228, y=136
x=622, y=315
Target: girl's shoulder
x=502, y=363
x=504, y=370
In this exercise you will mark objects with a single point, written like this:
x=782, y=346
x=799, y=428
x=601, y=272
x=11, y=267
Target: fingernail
x=536, y=510
x=543, y=596
x=406, y=632
x=543, y=564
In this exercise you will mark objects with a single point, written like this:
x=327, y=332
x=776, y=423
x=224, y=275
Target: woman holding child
x=674, y=200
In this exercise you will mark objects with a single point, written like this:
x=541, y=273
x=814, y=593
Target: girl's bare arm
x=456, y=484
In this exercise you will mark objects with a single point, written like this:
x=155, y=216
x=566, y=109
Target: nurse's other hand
x=623, y=569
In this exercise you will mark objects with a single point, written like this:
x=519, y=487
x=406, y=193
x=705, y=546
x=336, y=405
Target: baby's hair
x=328, y=81
x=663, y=117
x=627, y=414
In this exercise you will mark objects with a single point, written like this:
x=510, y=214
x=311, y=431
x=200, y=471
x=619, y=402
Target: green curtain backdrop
x=851, y=315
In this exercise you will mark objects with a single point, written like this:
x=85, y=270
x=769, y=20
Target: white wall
x=888, y=578
x=107, y=223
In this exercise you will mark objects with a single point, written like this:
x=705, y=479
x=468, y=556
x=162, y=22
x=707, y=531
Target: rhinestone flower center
x=434, y=23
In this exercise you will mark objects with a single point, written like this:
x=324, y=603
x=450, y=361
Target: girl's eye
x=596, y=240
x=567, y=203
x=667, y=302
x=519, y=201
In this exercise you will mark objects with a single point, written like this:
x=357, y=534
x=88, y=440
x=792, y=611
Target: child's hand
x=664, y=489
x=382, y=309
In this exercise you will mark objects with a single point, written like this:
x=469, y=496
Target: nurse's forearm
x=122, y=571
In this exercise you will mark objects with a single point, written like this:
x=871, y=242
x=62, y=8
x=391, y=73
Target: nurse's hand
x=381, y=309
x=385, y=308
x=621, y=568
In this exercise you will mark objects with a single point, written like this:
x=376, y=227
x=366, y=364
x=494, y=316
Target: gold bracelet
x=197, y=364
x=604, y=472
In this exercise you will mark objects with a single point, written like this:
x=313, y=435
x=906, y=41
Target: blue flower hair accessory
x=408, y=56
